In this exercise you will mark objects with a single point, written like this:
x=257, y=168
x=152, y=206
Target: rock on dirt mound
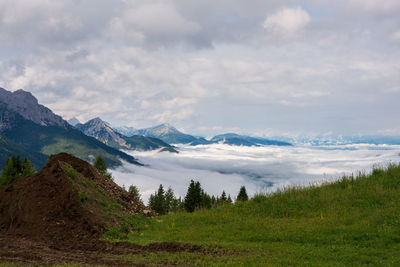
x=63, y=205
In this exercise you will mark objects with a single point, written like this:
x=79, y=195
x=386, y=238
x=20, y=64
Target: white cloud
x=153, y=22
x=396, y=36
x=287, y=20
x=222, y=167
x=385, y=6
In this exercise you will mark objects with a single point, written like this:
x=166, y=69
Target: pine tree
x=17, y=165
x=169, y=200
x=27, y=168
x=134, y=191
x=9, y=172
x=157, y=202
x=193, y=196
x=213, y=201
x=206, y=201
x=223, y=197
x=242, y=196
x=14, y=169
x=100, y=164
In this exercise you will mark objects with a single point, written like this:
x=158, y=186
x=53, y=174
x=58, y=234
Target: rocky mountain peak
x=25, y=104
x=102, y=131
x=72, y=121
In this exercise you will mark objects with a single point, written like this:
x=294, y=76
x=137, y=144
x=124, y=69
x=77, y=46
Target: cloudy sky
x=257, y=67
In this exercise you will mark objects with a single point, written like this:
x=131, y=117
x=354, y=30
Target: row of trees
x=16, y=168
x=164, y=202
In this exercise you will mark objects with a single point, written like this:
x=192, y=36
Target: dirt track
x=22, y=250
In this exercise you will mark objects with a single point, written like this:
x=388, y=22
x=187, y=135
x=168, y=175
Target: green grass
x=83, y=197
x=353, y=221
x=70, y=172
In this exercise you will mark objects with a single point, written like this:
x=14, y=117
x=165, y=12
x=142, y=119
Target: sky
x=277, y=67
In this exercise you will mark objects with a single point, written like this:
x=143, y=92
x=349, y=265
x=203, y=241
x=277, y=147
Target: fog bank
x=222, y=167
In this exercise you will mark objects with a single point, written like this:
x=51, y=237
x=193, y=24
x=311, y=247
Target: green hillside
x=9, y=148
x=351, y=222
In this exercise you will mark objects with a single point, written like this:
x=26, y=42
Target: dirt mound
x=47, y=207
x=60, y=214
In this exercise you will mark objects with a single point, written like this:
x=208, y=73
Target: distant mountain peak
x=72, y=121
x=102, y=131
x=125, y=130
x=167, y=133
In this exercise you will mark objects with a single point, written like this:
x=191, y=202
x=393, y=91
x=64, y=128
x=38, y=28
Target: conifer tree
x=27, y=168
x=171, y=202
x=242, y=196
x=101, y=165
x=157, y=201
x=206, y=202
x=193, y=196
x=223, y=197
x=17, y=165
x=134, y=191
x=9, y=172
x=14, y=169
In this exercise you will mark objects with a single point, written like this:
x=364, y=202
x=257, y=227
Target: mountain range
x=103, y=132
x=171, y=135
x=35, y=131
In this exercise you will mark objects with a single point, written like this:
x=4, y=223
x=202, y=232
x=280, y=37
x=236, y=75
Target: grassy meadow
x=353, y=221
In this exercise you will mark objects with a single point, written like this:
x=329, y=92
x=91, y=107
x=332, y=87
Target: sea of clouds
x=261, y=169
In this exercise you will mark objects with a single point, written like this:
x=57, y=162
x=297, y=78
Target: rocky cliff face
x=102, y=131
x=25, y=104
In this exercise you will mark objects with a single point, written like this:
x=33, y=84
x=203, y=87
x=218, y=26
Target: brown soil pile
x=43, y=215
x=45, y=207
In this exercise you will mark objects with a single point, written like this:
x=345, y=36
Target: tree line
x=164, y=202
x=15, y=168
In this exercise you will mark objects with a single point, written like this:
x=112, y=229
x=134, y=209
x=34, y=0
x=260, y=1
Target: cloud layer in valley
x=207, y=66
x=261, y=169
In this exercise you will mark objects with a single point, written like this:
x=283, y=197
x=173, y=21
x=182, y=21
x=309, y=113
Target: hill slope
x=351, y=222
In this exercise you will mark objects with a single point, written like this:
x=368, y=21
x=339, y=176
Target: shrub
x=83, y=197
x=70, y=172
